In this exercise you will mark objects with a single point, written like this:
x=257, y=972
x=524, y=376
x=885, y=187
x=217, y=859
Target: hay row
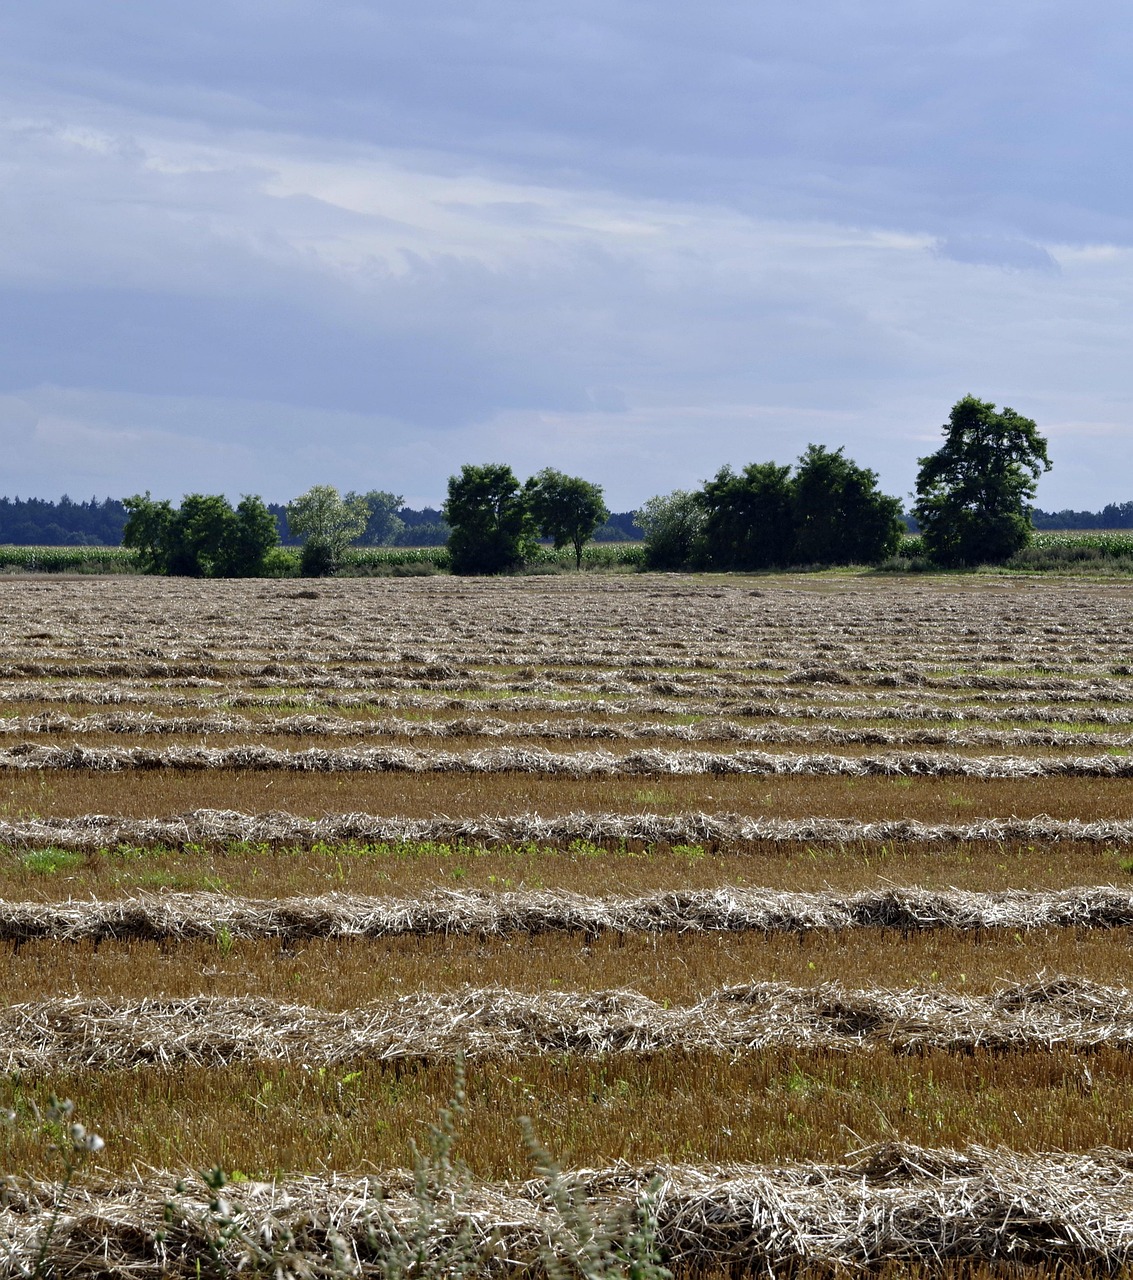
x=77, y=1033
x=226, y=826
x=893, y=1203
x=650, y=763
x=175, y=917
x=144, y=725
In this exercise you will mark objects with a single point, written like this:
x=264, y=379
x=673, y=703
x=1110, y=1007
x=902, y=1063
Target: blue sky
x=251, y=246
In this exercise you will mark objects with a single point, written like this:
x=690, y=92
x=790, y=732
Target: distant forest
x=38, y=522
x=1116, y=515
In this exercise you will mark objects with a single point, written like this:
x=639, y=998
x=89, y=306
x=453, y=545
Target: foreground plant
x=73, y=1144
x=440, y=1233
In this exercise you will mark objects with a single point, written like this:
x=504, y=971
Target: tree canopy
x=492, y=527
x=749, y=522
x=328, y=524
x=203, y=538
x=973, y=493
x=840, y=516
x=566, y=509
x=674, y=529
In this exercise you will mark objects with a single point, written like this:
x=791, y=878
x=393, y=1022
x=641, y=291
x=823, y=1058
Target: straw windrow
x=223, y=826
x=887, y=1204
x=174, y=917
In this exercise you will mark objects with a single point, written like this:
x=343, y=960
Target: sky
x=251, y=247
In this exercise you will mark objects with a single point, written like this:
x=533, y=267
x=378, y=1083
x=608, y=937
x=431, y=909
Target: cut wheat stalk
x=177, y=917
x=226, y=826
x=651, y=763
x=894, y=1203
x=75, y=1033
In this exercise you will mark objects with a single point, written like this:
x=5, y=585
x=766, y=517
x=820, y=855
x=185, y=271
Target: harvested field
x=739, y=869
x=269, y=1119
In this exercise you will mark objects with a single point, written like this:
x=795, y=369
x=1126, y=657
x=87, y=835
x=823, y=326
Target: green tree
x=203, y=538
x=674, y=529
x=748, y=517
x=566, y=509
x=328, y=523
x=974, y=493
x=147, y=530
x=840, y=515
x=492, y=528
x=253, y=535
x=383, y=524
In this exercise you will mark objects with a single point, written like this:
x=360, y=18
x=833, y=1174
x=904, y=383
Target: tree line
x=972, y=506
x=41, y=522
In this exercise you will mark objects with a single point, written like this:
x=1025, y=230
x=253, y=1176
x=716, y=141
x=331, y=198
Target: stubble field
x=813, y=894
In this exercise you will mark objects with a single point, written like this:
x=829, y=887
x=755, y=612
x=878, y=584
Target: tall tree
x=749, y=521
x=566, y=509
x=328, y=524
x=974, y=492
x=492, y=527
x=840, y=515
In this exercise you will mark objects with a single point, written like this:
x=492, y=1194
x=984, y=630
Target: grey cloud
x=997, y=251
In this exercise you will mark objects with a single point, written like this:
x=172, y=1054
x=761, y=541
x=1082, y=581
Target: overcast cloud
x=251, y=246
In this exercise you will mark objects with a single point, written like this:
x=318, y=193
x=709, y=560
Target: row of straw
x=175, y=917
x=145, y=725
x=77, y=1033
x=894, y=1203
x=227, y=826
x=650, y=763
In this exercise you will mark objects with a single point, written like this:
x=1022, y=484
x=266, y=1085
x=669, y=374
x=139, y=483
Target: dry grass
x=653, y=762
x=141, y=794
x=175, y=918
x=45, y=874
x=272, y=1119
x=341, y=973
x=467, y=733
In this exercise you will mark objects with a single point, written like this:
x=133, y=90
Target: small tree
x=674, y=529
x=973, y=493
x=566, y=509
x=840, y=515
x=492, y=528
x=328, y=524
x=749, y=521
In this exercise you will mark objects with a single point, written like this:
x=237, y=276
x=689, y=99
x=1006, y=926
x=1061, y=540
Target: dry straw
x=77, y=1033
x=578, y=764
x=174, y=917
x=149, y=725
x=887, y=1204
x=221, y=826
